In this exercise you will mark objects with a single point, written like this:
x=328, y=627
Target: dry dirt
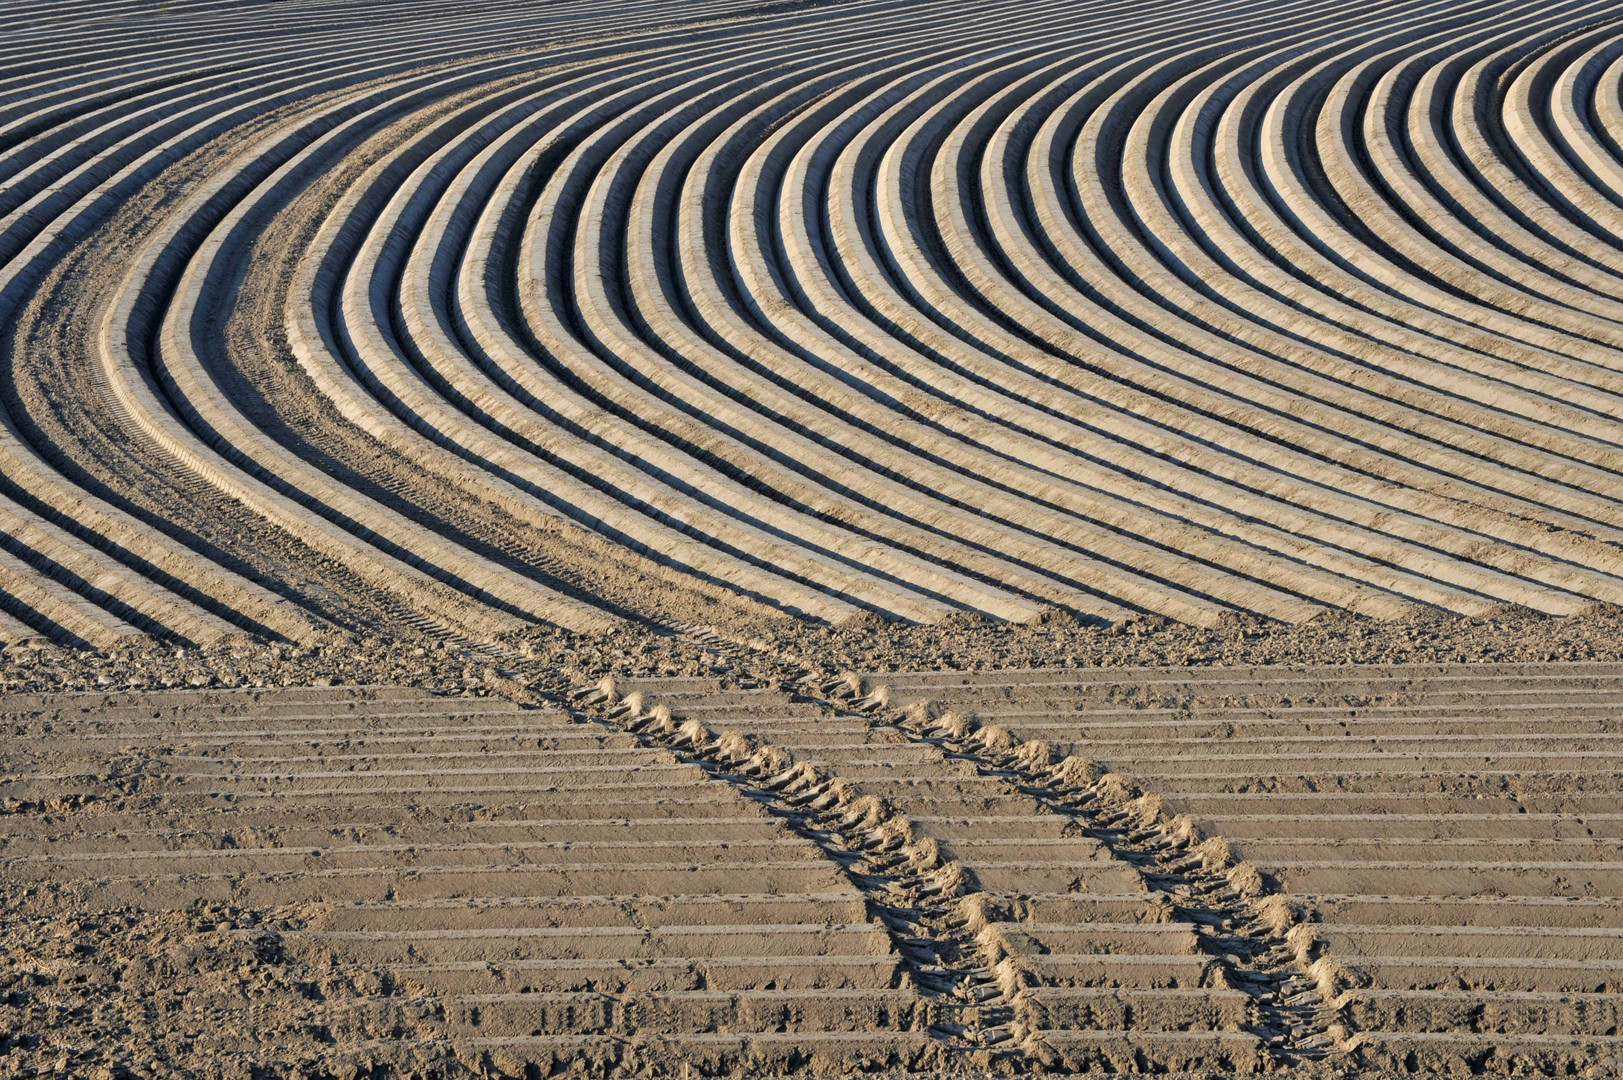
x=552, y=663
x=221, y=968
x=543, y=537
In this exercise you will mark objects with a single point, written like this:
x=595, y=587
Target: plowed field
x=1331, y=871
x=460, y=318
x=876, y=397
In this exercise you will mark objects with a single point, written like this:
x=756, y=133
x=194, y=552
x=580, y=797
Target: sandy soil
x=151, y=977
x=551, y=503
x=551, y=663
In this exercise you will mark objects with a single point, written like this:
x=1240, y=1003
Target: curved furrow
x=1294, y=223
x=789, y=279
x=1569, y=346
x=225, y=449
x=1274, y=421
x=1605, y=105
x=1570, y=122
x=1532, y=141
x=1270, y=523
x=221, y=587
x=1077, y=261
x=1263, y=191
x=1542, y=258
x=201, y=400
x=1210, y=229
x=537, y=489
x=836, y=167
x=1470, y=127
x=694, y=305
x=592, y=397
x=543, y=290
x=1481, y=234
x=484, y=318
x=607, y=325
x=1212, y=235
x=1373, y=311
x=841, y=382
x=1013, y=243
x=1351, y=371
x=425, y=319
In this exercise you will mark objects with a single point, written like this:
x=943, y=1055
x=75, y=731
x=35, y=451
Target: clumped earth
x=548, y=663
x=129, y=993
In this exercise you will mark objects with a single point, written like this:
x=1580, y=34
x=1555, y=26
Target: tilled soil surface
x=387, y=859
x=763, y=317
x=555, y=661
x=547, y=537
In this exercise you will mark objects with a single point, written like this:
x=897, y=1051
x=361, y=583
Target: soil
x=550, y=663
